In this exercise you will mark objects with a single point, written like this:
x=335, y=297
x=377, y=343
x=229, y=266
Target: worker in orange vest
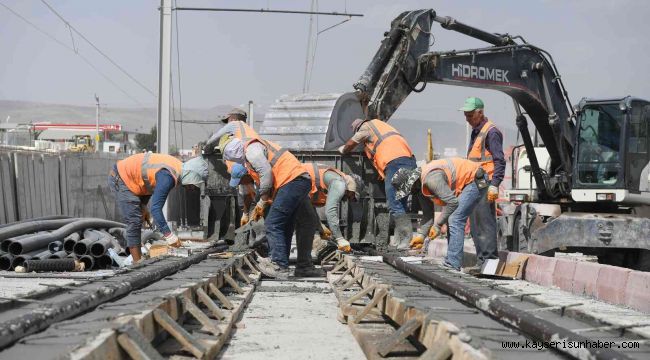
x=283, y=186
x=235, y=125
x=486, y=149
x=247, y=191
x=389, y=152
x=458, y=185
x=140, y=177
x=329, y=186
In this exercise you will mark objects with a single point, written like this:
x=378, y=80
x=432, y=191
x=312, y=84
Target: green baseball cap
x=472, y=104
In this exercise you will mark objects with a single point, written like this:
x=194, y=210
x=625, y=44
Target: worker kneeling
x=328, y=188
x=140, y=177
x=457, y=184
x=283, y=185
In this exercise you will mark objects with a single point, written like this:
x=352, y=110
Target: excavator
x=588, y=164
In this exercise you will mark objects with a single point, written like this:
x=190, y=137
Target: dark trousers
x=483, y=227
x=291, y=209
x=129, y=205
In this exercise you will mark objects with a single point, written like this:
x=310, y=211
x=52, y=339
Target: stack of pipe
x=58, y=240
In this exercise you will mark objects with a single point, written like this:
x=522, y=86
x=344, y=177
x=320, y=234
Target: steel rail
x=536, y=328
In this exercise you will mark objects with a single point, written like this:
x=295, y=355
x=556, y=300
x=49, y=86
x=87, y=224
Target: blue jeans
x=396, y=207
x=290, y=208
x=469, y=197
x=483, y=225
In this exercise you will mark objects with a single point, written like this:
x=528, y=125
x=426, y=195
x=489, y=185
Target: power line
x=72, y=28
x=88, y=62
x=266, y=11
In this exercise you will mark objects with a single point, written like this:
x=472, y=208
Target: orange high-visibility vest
x=459, y=172
x=318, y=191
x=139, y=171
x=244, y=132
x=284, y=165
x=385, y=145
x=478, y=153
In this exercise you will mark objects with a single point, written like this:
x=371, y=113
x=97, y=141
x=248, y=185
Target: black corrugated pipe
x=34, y=255
x=15, y=329
x=50, y=265
x=39, y=241
x=5, y=261
x=29, y=227
x=89, y=262
x=99, y=247
x=536, y=328
x=4, y=245
x=55, y=246
x=59, y=255
x=103, y=262
x=49, y=217
x=69, y=241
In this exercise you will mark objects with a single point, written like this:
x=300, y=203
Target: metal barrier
x=36, y=184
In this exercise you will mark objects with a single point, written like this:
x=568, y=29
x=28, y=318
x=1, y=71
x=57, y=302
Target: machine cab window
x=599, y=139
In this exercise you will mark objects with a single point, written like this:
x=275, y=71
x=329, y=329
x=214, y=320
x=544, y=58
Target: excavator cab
x=611, y=152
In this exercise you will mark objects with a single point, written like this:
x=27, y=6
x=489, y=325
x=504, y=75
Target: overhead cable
x=72, y=28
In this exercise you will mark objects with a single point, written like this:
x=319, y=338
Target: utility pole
x=164, y=76
x=305, y=79
x=97, y=124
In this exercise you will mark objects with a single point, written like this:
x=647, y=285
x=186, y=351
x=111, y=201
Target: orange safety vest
x=384, y=145
x=318, y=193
x=478, y=152
x=284, y=165
x=244, y=132
x=139, y=171
x=459, y=172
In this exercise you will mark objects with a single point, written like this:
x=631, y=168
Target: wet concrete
x=293, y=319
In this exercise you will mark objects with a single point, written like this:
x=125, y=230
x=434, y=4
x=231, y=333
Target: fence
x=38, y=184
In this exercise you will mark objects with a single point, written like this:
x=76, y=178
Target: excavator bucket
x=311, y=121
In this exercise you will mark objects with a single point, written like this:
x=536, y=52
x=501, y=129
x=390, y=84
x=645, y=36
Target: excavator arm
x=404, y=64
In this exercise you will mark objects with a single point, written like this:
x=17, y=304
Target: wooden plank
x=242, y=274
x=181, y=335
x=371, y=334
x=201, y=317
x=136, y=345
x=214, y=309
x=250, y=265
x=378, y=297
x=233, y=284
x=359, y=295
x=398, y=337
x=222, y=298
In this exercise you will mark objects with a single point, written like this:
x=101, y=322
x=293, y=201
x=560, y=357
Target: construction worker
x=284, y=185
x=148, y=175
x=247, y=192
x=389, y=152
x=235, y=124
x=458, y=185
x=485, y=148
x=328, y=188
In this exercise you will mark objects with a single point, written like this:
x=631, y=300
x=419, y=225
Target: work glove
x=343, y=245
x=417, y=246
x=416, y=240
x=493, y=193
x=244, y=219
x=325, y=233
x=258, y=212
x=172, y=240
x=434, y=232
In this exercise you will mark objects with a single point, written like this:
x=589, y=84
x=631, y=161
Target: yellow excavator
x=82, y=143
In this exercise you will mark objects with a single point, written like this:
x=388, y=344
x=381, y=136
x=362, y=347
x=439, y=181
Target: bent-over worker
x=458, y=185
x=149, y=175
x=328, y=188
x=235, y=125
x=389, y=152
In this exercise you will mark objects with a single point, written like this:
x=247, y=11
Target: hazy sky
x=600, y=47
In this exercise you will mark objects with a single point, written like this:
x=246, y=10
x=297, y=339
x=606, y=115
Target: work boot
x=309, y=272
x=403, y=231
x=272, y=270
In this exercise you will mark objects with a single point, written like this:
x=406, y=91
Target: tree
x=147, y=142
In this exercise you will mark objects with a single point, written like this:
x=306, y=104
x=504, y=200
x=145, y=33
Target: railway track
x=398, y=309
x=394, y=308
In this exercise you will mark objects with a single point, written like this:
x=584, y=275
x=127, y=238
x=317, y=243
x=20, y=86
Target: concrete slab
x=291, y=320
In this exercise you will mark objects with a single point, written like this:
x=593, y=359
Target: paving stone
x=637, y=291
x=585, y=278
x=563, y=275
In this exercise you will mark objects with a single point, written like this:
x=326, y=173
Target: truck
x=581, y=183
